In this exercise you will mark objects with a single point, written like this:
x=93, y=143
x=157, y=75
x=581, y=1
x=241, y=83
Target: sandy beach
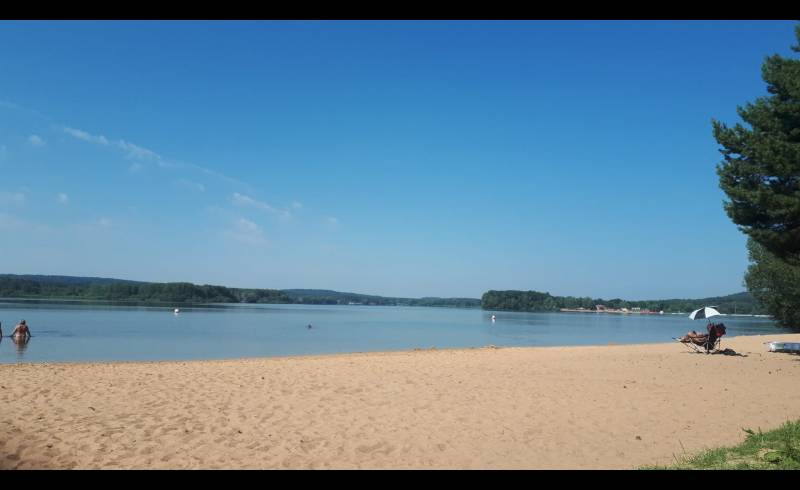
x=557, y=407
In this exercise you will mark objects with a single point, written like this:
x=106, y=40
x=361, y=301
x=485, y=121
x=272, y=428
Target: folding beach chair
x=704, y=343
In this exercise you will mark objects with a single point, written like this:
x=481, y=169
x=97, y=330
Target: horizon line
x=366, y=294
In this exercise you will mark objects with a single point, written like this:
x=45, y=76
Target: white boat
x=783, y=347
x=177, y=310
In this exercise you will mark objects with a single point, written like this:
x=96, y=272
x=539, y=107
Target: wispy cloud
x=104, y=222
x=140, y=155
x=131, y=150
x=62, y=198
x=13, y=224
x=247, y=201
x=35, y=140
x=192, y=185
x=10, y=223
x=246, y=231
x=9, y=105
x=12, y=198
x=83, y=135
x=136, y=151
x=243, y=200
x=331, y=221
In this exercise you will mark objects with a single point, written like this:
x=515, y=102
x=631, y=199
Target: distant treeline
x=739, y=303
x=104, y=289
x=328, y=297
x=92, y=289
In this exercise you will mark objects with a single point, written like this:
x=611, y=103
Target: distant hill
x=108, y=289
x=67, y=279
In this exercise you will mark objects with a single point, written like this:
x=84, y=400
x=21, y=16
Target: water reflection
x=22, y=343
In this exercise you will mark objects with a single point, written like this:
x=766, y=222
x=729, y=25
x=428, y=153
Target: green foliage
x=328, y=297
x=775, y=283
x=91, y=288
x=776, y=449
x=116, y=290
x=64, y=287
x=741, y=303
x=521, y=301
x=761, y=169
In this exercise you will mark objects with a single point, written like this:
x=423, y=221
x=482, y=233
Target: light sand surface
x=559, y=407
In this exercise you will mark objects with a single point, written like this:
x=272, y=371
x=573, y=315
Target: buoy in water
x=494, y=318
x=177, y=310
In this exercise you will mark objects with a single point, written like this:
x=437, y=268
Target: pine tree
x=760, y=173
x=775, y=284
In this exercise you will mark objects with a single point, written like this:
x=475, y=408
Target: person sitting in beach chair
x=709, y=342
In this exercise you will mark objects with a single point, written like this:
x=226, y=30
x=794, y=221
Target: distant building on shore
x=624, y=311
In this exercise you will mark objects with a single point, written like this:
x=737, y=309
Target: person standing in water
x=21, y=331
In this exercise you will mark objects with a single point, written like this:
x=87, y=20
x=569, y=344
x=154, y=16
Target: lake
x=90, y=332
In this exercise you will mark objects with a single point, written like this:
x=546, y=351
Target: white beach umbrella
x=704, y=312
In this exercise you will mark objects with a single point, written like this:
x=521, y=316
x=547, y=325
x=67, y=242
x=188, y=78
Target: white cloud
x=135, y=151
x=243, y=200
x=63, y=198
x=332, y=221
x=104, y=222
x=246, y=231
x=35, y=140
x=297, y=205
x=131, y=150
x=12, y=198
x=83, y=135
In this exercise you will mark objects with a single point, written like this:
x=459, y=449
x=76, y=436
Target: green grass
x=778, y=449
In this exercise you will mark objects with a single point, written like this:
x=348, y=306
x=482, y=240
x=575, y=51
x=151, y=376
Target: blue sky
x=392, y=158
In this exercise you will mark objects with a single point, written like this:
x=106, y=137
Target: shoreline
x=367, y=353
x=602, y=406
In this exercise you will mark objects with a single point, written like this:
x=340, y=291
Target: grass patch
x=778, y=449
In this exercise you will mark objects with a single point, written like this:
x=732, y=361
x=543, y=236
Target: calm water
x=84, y=332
